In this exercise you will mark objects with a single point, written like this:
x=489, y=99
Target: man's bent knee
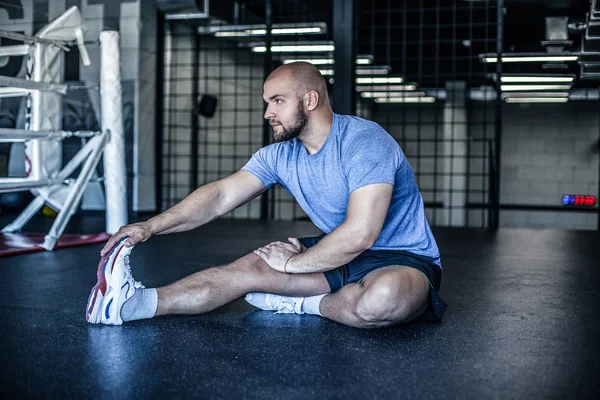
x=386, y=304
x=381, y=305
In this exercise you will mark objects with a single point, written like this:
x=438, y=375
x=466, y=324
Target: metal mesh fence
x=433, y=48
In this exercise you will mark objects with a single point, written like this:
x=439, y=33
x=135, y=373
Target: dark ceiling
x=432, y=41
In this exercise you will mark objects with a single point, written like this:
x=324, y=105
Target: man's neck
x=317, y=132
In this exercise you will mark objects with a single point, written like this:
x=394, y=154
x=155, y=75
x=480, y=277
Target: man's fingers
x=114, y=240
x=136, y=232
x=297, y=244
x=111, y=243
x=134, y=239
x=261, y=253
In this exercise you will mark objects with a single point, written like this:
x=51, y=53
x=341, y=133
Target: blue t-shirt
x=356, y=153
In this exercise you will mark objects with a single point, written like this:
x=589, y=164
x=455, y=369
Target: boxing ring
x=48, y=180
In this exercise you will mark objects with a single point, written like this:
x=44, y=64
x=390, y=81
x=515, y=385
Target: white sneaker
x=114, y=287
x=274, y=302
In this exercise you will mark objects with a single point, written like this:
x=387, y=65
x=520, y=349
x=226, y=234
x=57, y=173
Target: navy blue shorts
x=370, y=260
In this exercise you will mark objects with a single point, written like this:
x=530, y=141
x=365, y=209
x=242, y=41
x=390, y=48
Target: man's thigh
x=399, y=293
x=255, y=275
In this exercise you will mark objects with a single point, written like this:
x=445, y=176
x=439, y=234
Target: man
x=377, y=263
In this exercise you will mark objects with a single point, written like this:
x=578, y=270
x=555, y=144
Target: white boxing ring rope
x=9, y=135
x=31, y=39
x=49, y=182
x=27, y=84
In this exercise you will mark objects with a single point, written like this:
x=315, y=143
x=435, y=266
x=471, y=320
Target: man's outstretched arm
x=203, y=205
x=367, y=210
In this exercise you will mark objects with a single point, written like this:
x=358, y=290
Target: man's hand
x=277, y=254
x=139, y=232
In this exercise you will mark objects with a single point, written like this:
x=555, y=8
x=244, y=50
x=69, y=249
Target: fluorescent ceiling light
x=374, y=70
x=405, y=99
x=536, y=79
x=387, y=88
x=331, y=72
x=379, y=80
x=261, y=29
x=301, y=48
x=313, y=61
x=537, y=100
x=370, y=71
x=239, y=34
x=360, y=60
x=296, y=31
x=262, y=32
x=493, y=59
x=535, y=94
x=200, y=15
x=512, y=88
x=391, y=94
x=364, y=59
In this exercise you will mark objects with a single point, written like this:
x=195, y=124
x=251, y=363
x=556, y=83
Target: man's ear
x=312, y=100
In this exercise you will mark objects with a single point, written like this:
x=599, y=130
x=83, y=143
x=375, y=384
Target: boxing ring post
x=115, y=176
x=42, y=136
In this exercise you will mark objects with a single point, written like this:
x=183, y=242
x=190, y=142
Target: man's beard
x=295, y=128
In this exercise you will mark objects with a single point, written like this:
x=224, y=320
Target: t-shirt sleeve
x=262, y=165
x=371, y=157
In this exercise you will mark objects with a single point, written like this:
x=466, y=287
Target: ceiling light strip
x=536, y=79
x=540, y=58
x=261, y=29
x=304, y=48
x=372, y=80
x=405, y=100
x=537, y=100
x=391, y=94
x=512, y=88
x=535, y=94
x=386, y=88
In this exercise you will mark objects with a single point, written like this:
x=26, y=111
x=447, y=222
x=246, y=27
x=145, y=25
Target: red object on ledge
x=20, y=243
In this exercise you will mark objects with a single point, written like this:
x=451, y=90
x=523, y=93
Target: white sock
x=311, y=304
x=142, y=305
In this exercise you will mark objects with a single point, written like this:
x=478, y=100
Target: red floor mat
x=19, y=243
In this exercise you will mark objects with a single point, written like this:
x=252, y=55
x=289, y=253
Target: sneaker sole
x=102, y=289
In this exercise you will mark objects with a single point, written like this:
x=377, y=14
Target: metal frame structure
x=53, y=185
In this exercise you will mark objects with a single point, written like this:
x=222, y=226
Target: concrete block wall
x=547, y=151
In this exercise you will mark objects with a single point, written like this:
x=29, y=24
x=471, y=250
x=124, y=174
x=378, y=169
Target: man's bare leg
x=212, y=288
x=387, y=296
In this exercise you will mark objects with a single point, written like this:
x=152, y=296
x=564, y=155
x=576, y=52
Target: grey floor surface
x=523, y=323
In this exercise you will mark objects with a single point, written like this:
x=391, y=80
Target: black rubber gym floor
x=522, y=323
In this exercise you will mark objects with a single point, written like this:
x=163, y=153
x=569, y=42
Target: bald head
x=303, y=77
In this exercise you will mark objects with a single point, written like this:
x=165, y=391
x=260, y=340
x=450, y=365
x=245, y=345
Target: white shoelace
x=286, y=307
x=136, y=284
